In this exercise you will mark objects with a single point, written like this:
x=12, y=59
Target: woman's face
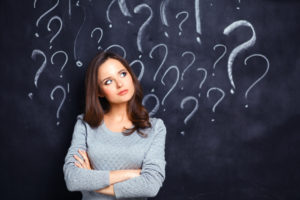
x=115, y=82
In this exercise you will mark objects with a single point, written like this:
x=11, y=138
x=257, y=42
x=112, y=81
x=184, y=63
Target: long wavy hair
x=96, y=106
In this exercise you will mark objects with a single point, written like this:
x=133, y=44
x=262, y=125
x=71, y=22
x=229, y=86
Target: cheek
x=107, y=91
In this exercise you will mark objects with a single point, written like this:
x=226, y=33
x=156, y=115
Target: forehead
x=109, y=68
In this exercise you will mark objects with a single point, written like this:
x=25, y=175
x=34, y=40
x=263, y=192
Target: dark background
x=245, y=147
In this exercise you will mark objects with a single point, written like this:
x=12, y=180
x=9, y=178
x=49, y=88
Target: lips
x=123, y=92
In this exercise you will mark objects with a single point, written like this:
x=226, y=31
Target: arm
x=78, y=179
x=153, y=170
x=118, y=176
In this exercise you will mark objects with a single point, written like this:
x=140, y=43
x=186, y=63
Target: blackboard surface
x=223, y=75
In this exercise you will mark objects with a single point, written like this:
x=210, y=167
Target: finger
x=79, y=159
x=85, y=156
x=78, y=165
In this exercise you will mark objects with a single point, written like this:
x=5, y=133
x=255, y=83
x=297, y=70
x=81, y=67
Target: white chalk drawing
x=101, y=35
x=222, y=55
x=198, y=19
x=62, y=101
x=66, y=60
x=78, y=62
x=175, y=83
x=262, y=76
x=156, y=107
x=204, y=77
x=35, y=52
x=190, y=115
x=183, y=20
x=190, y=64
x=140, y=76
x=219, y=100
x=164, y=59
x=138, y=9
x=119, y=47
x=58, y=31
x=239, y=49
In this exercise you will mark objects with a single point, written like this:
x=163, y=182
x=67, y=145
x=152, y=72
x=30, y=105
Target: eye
x=107, y=82
x=123, y=74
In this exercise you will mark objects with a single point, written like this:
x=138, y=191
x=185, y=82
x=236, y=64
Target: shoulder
x=155, y=121
x=158, y=124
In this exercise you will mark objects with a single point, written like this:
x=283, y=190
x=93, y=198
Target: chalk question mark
x=62, y=101
x=140, y=76
x=261, y=77
x=173, y=86
x=183, y=20
x=35, y=52
x=189, y=65
x=101, y=35
x=242, y=47
x=156, y=107
x=165, y=47
x=222, y=55
x=138, y=9
x=190, y=115
x=204, y=77
x=66, y=60
x=219, y=100
x=49, y=29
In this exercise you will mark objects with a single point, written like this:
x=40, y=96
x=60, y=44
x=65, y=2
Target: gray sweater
x=108, y=151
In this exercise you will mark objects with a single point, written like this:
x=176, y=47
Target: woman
x=117, y=151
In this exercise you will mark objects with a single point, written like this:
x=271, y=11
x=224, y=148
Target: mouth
x=123, y=92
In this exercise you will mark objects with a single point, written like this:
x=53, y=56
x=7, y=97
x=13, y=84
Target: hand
x=135, y=173
x=83, y=163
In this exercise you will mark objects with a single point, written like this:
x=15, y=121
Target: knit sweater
x=108, y=151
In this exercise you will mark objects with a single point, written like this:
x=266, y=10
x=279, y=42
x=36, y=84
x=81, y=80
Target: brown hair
x=96, y=107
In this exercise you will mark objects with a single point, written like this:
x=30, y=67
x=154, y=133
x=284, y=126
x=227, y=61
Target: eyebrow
x=110, y=76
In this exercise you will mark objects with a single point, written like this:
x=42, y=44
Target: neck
x=118, y=112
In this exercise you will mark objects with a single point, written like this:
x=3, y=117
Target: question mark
x=61, y=103
x=164, y=59
x=163, y=15
x=189, y=98
x=184, y=19
x=173, y=86
x=190, y=64
x=44, y=14
x=101, y=35
x=261, y=77
x=219, y=100
x=223, y=54
x=204, y=77
x=66, y=60
x=156, y=107
x=42, y=67
x=118, y=46
x=138, y=9
x=142, y=68
x=239, y=48
x=49, y=29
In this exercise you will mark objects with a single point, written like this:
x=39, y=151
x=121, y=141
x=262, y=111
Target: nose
x=119, y=83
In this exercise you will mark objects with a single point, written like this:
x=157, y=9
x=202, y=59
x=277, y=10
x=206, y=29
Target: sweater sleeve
x=152, y=173
x=80, y=179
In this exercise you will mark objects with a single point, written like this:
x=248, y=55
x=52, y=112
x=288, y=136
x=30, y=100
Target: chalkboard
x=223, y=75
